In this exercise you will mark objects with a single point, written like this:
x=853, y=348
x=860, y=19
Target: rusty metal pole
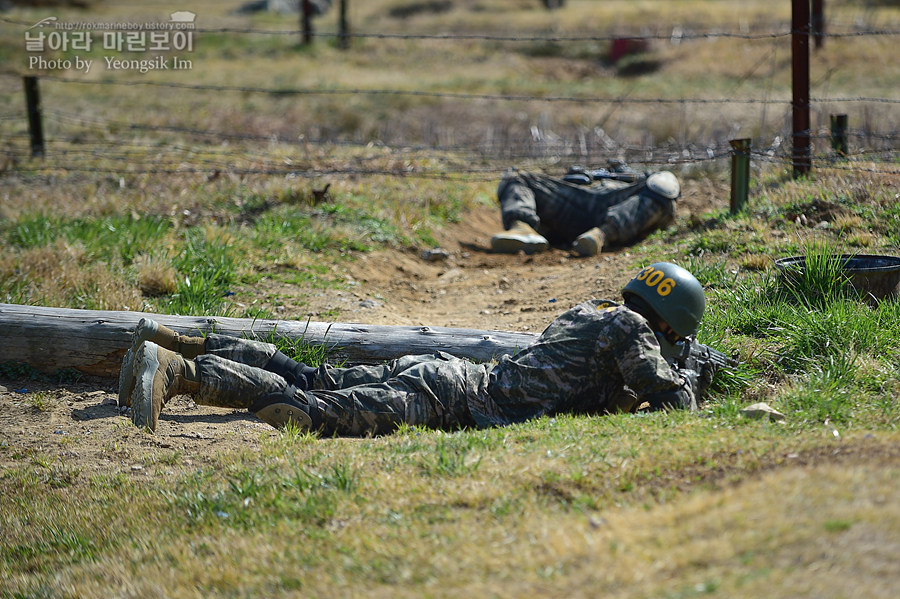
x=802, y=152
x=740, y=173
x=306, y=21
x=818, y=22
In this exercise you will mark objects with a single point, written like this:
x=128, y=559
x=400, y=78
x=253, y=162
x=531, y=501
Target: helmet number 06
x=658, y=279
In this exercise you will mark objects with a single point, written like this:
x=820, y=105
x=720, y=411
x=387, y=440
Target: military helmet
x=673, y=293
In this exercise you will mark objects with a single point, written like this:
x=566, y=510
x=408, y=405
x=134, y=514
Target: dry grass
x=715, y=68
x=155, y=276
x=564, y=509
x=61, y=274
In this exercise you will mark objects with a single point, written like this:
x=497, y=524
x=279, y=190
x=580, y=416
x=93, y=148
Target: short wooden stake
x=740, y=173
x=839, y=133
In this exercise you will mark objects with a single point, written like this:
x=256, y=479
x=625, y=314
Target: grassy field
x=136, y=206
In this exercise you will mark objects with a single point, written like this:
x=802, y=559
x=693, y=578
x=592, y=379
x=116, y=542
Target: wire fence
x=79, y=144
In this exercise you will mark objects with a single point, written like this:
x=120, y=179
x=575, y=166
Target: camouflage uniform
x=231, y=371
x=597, y=357
x=561, y=211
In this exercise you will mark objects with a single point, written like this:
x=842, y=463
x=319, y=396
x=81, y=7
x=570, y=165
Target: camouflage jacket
x=597, y=357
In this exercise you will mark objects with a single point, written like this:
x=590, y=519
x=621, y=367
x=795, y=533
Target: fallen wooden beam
x=94, y=341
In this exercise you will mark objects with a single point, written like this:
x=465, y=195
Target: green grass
x=317, y=515
x=105, y=238
x=816, y=333
x=299, y=349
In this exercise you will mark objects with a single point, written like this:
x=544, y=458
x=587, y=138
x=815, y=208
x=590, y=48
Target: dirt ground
x=474, y=288
x=77, y=428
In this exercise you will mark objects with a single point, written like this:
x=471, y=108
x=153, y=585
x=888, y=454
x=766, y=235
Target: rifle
x=695, y=356
x=699, y=363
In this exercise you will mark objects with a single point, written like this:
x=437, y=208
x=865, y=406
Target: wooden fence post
x=740, y=173
x=839, y=133
x=343, y=29
x=35, y=125
x=818, y=23
x=306, y=21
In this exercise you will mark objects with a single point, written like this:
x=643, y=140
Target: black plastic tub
x=875, y=276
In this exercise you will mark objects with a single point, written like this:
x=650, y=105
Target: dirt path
x=474, y=288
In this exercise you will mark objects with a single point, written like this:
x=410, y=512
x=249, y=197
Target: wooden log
x=94, y=341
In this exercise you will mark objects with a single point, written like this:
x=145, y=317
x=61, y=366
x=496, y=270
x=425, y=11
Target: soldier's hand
x=694, y=380
x=707, y=374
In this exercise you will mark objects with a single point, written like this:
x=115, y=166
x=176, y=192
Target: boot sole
x=126, y=379
x=146, y=366
x=277, y=415
x=514, y=245
x=586, y=247
x=144, y=331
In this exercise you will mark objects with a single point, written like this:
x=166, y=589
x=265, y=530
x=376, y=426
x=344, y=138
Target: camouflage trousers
x=431, y=390
x=231, y=372
x=561, y=211
x=425, y=390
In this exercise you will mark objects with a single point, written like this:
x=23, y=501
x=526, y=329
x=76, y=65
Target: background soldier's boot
x=521, y=237
x=150, y=330
x=590, y=242
x=159, y=375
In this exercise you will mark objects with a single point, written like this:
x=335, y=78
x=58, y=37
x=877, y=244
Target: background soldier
x=598, y=357
x=575, y=211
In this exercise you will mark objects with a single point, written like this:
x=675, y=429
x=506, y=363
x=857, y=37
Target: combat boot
x=225, y=383
x=521, y=237
x=590, y=242
x=295, y=373
x=159, y=374
x=290, y=406
x=150, y=330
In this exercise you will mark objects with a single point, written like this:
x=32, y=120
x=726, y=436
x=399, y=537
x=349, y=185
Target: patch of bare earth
x=474, y=288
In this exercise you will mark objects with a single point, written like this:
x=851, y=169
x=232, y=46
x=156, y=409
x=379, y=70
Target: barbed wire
x=426, y=94
x=563, y=148
x=60, y=115
x=458, y=95
x=171, y=160
x=303, y=140
x=459, y=174
x=789, y=162
x=206, y=158
x=217, y=157
x=508, y=38
x=468, y=174
x=679, y=31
